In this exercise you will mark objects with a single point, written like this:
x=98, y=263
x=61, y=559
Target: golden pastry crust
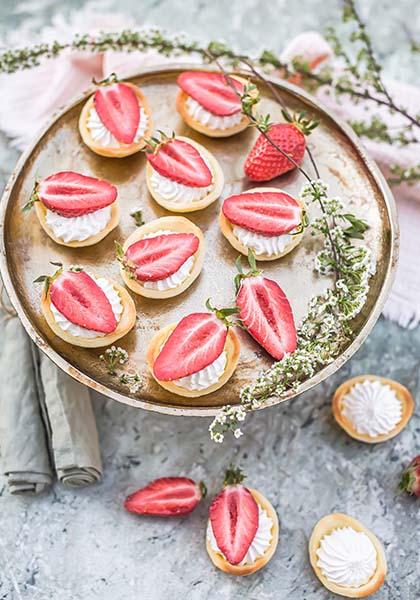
x=181, y=107
x=123, y=149
x=41, y=213
x=324, y=527
x=404, y=396
x=227, y=230
x=125, y=324
x=232, y=349
x=218, y=177
x=177, y=225
x=221, y=563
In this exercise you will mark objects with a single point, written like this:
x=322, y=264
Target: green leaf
x=251, y=260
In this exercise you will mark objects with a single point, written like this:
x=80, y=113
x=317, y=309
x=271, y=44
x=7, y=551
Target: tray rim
x=327, y=371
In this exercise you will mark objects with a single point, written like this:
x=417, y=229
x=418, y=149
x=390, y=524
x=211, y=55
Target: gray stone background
x=70, y=545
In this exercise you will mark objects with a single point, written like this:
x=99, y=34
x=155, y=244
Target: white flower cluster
x=227, y=419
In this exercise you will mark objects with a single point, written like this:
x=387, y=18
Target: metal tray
x=26, y=250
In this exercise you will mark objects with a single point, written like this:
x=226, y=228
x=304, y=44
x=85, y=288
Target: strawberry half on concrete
x=182, y=176
x=166, y=497
x=195, y=356
x=75, y=210
x=242, y=531
x=267, y=221
x=86, y=311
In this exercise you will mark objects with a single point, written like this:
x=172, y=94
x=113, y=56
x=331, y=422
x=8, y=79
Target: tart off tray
x=26, y=251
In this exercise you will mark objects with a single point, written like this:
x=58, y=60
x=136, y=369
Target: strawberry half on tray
x=166, y=497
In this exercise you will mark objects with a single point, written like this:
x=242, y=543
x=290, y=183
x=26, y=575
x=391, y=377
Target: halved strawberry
x=166, y=497
x=268, y=213
x=118, y=108
x=159, y=257
x=80, y=299
x=180, y=161
x=212, y=91
x=71, y=194
x=195, y=343
x=234, y=518
x=267, y=315
x=264, y=162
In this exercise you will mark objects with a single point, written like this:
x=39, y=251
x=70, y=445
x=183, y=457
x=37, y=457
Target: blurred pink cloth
x=30, y=97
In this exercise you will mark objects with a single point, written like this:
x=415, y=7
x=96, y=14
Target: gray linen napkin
x=23, y=439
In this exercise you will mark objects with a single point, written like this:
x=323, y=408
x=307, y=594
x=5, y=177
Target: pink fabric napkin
x=29, y=97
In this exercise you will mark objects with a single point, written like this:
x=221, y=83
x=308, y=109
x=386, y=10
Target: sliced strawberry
x=194, y=344
x=180, y=161
x=80, y=299
x=234, y=520
x=268, y=213
x=166, y=497
x=118, y=108
x=71, y=194
x=161, y=256
x=212, y=91
x=266, y=313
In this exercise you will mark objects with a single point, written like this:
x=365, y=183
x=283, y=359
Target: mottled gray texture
x=71, y=545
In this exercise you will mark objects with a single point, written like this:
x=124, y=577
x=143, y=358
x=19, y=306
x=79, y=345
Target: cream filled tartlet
x=162, y=258
x=182, y=176
x=75, y=210
x=84, y=310
x=194, y=357
x=372, y=409
x=210, y=104
x=115, y=121
x=243, y=528
x=347, y=558
x=267, y=221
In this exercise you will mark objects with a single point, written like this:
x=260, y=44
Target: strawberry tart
x=163, y=258
x=194, y=357
x=243, y=528
x=267, y=221
x=182, y=176
x=210, y=104
x=75, y=210
x=84, y=310
x=115, y=121
x=347, y=558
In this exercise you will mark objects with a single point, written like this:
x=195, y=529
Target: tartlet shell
x=219, y=182
x=178, y=225
x=221, y=563
x=324, y=527
x=41, y=212
x=125, y=324
x=402, y=393
x=123, y=149
x=232, y=349
x=226, y=228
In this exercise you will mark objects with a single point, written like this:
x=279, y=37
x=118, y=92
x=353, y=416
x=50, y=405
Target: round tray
x=26, y=250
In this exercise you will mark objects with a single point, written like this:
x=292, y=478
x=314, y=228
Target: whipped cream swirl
x=77, y=229
x=372, y=408
x=173, y=280
x=78, y=331
x=259, y=544
x=102, y=136
x=270, y=245
x=347, y=557
x=205, y=117
x=179, y=193
x=206, y=377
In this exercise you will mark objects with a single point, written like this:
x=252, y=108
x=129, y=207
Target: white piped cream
x=178, y=193
x=206, y=377
x=78, y=229
x=102, y=136
x=205, y=117
x=270, y=245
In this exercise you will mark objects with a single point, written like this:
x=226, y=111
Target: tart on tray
x=347, y=558
x=267, y=221
x=182, y=176
x=243, y=528
x=75, y=210
x=162, y=258
x=116, y=119
x=209, y=103
x=86, y=311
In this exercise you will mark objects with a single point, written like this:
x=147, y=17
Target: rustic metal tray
x=26, y=250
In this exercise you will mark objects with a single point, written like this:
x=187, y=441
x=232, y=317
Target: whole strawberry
x=410, y=479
